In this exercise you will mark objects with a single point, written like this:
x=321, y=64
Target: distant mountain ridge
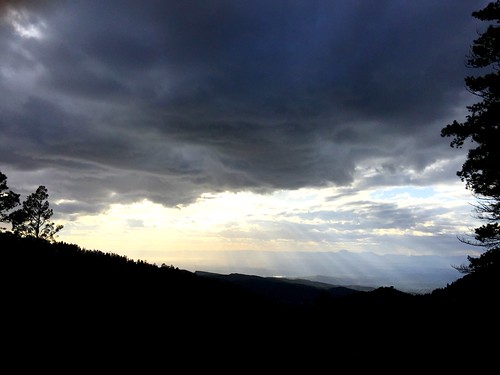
x=297, y=292
x=410, y=273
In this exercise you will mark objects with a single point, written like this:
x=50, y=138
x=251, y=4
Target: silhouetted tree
x=32, y=220
x=490, y=259
x=8, y=199
x=481, y=170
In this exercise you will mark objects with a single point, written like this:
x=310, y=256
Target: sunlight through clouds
x=300, y=220
x=23, y=25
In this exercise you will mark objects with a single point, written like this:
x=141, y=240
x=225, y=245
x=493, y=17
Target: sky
x=264, y=137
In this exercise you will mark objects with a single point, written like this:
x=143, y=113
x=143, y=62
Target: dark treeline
x=58, y=276
x=54, y=286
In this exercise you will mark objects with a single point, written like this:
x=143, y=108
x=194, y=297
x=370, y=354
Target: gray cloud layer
x=165, y=100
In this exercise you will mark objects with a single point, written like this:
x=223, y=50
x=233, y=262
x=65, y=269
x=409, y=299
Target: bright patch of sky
x=23, y=25
x=400, y=192
x=386, y=220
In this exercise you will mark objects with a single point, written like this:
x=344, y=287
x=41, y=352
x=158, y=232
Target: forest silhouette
x=62, y=289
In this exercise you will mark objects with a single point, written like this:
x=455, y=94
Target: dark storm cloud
x=165, y=100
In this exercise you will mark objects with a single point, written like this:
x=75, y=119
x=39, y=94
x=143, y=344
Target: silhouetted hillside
x=294, y=292
x=63, y=292
x=66, y=274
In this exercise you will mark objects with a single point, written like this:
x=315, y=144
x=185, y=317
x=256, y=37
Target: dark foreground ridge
x=67, y=295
